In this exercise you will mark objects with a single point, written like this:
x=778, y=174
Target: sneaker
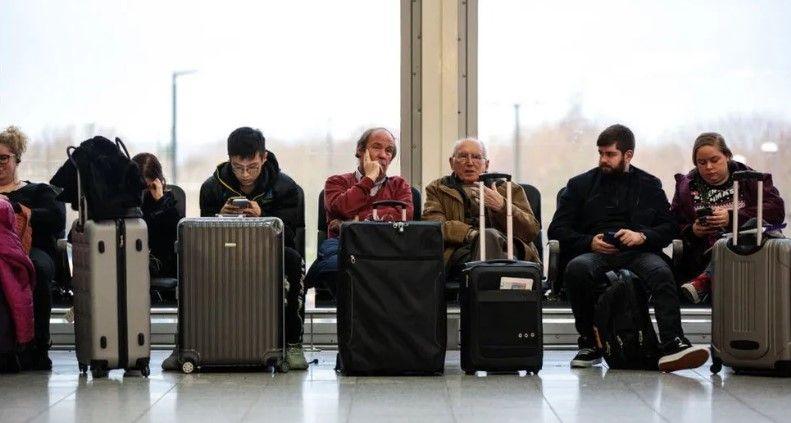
x=680, y=355
x=171, y=364
x=295, y=357
x=586, y=357
x=9, y=363
x=696, y=289
x=34, y=358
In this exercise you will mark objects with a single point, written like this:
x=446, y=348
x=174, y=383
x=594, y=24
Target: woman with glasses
x=47, y=220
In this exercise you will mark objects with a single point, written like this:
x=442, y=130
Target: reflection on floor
x=319, y=395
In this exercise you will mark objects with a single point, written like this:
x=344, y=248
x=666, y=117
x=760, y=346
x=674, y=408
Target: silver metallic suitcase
x=112, y=306
x=231, y=293
x=751, y=298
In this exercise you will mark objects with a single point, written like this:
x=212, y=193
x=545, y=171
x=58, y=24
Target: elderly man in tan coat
x=453, y=201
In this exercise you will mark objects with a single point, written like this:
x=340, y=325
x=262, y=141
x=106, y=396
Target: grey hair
x=458, y=143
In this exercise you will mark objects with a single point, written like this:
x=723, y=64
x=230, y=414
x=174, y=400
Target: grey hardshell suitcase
x=112, y=306
x=751, y=297
x=231, y=293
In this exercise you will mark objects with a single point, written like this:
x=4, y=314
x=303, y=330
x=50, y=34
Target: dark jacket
x=581, y=209
x=47, y=216
x=275, y=192
x=162, y=218
x=695, y=258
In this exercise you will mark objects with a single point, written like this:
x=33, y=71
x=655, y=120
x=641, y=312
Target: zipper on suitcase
x=120, y=265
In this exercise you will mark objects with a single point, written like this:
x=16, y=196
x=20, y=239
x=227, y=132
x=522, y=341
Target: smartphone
x=241, y=203
x=610, y=238
x=703, y=214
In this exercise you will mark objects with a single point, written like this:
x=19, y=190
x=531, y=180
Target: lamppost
x=173, y=142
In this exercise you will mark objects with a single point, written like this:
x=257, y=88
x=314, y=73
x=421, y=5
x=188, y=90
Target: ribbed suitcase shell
x=96, y=297
x=751, y=306
x=231, y=281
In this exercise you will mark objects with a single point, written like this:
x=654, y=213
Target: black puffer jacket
x=162, y=218
x=275, y=192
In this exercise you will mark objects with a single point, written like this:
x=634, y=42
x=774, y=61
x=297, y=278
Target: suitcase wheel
x=145, y=370
x=283, y=366
x=716, y=365
x=188, y=366
x=99, y=371
x=83, y=368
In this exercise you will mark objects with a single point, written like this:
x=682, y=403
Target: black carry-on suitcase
x=501, y=326
x=391, y=298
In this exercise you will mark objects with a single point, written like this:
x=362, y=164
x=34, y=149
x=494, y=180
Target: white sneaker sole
x=582, y=364
x=691, y=293
x=690, y=358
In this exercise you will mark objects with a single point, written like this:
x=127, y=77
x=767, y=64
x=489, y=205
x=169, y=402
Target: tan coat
x=444, y=204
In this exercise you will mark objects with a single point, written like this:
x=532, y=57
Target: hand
x=371, y=167
x=334, y=225
x=253, y=211
x=718, y=219
x=701, y=230
x=599, y=246
x=229, y=208
x=491, y=198
x=156, y=189
x=630, y=238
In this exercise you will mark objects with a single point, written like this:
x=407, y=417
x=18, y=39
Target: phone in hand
x=240, y=203
x=610, y=238
x=703, y=214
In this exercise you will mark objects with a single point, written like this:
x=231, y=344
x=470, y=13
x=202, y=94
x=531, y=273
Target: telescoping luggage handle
x=748, y=175
x=82, y=203
x=400, y=205
x=509, y=217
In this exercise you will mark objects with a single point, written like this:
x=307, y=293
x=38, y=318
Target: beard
x=618, y=169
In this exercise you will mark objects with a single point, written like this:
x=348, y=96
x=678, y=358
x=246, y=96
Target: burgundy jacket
x=17, y=276
x=346, y=199
x=694, y=258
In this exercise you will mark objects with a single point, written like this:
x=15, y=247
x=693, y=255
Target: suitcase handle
x=509, y=213
x=501, y=261
x=749, y=175
x=400, y=205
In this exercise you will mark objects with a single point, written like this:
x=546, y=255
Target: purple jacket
x=17, y=276
x=684, y=211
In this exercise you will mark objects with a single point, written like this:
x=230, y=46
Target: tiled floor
x=319, y=395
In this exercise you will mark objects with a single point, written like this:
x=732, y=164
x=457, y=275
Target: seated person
x=619, y=200
x=16, y=291
x=350, y=196
x=702, y=202
x=453, y=201
x=161, y=216
x=47, y=222
x=252, y=172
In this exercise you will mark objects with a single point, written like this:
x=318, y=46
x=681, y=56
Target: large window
x=310, y=74
x=552, y=75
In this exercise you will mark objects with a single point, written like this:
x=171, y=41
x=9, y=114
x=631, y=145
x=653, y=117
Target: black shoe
x=9, y=363
x=33, y=358
x=680, y=354
x=586, y=357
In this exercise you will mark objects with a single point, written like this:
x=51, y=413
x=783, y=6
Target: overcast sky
x=300, y=69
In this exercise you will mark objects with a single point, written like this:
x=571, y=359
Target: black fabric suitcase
x=501, y=329
x=391, y=299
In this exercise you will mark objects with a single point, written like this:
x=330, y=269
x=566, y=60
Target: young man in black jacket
x=621, y=200
x=252, y=172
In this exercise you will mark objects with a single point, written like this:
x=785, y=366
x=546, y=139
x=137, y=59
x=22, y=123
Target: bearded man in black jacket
x=617, y=216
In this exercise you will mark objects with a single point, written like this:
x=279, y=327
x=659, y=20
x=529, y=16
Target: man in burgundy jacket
x=350, y=197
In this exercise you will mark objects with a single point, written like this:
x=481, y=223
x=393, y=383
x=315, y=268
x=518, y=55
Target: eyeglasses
x=239, y=169
x=468, y=157
x=5, y=157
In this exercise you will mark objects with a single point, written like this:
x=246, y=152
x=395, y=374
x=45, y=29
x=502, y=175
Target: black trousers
x=42, y=296
x=295, y=295
x=583, y=280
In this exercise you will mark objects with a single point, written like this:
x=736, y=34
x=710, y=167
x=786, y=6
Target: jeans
x=585, y=274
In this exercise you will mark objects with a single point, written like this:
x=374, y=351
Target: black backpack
x=110, y=181
x=622, y=327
